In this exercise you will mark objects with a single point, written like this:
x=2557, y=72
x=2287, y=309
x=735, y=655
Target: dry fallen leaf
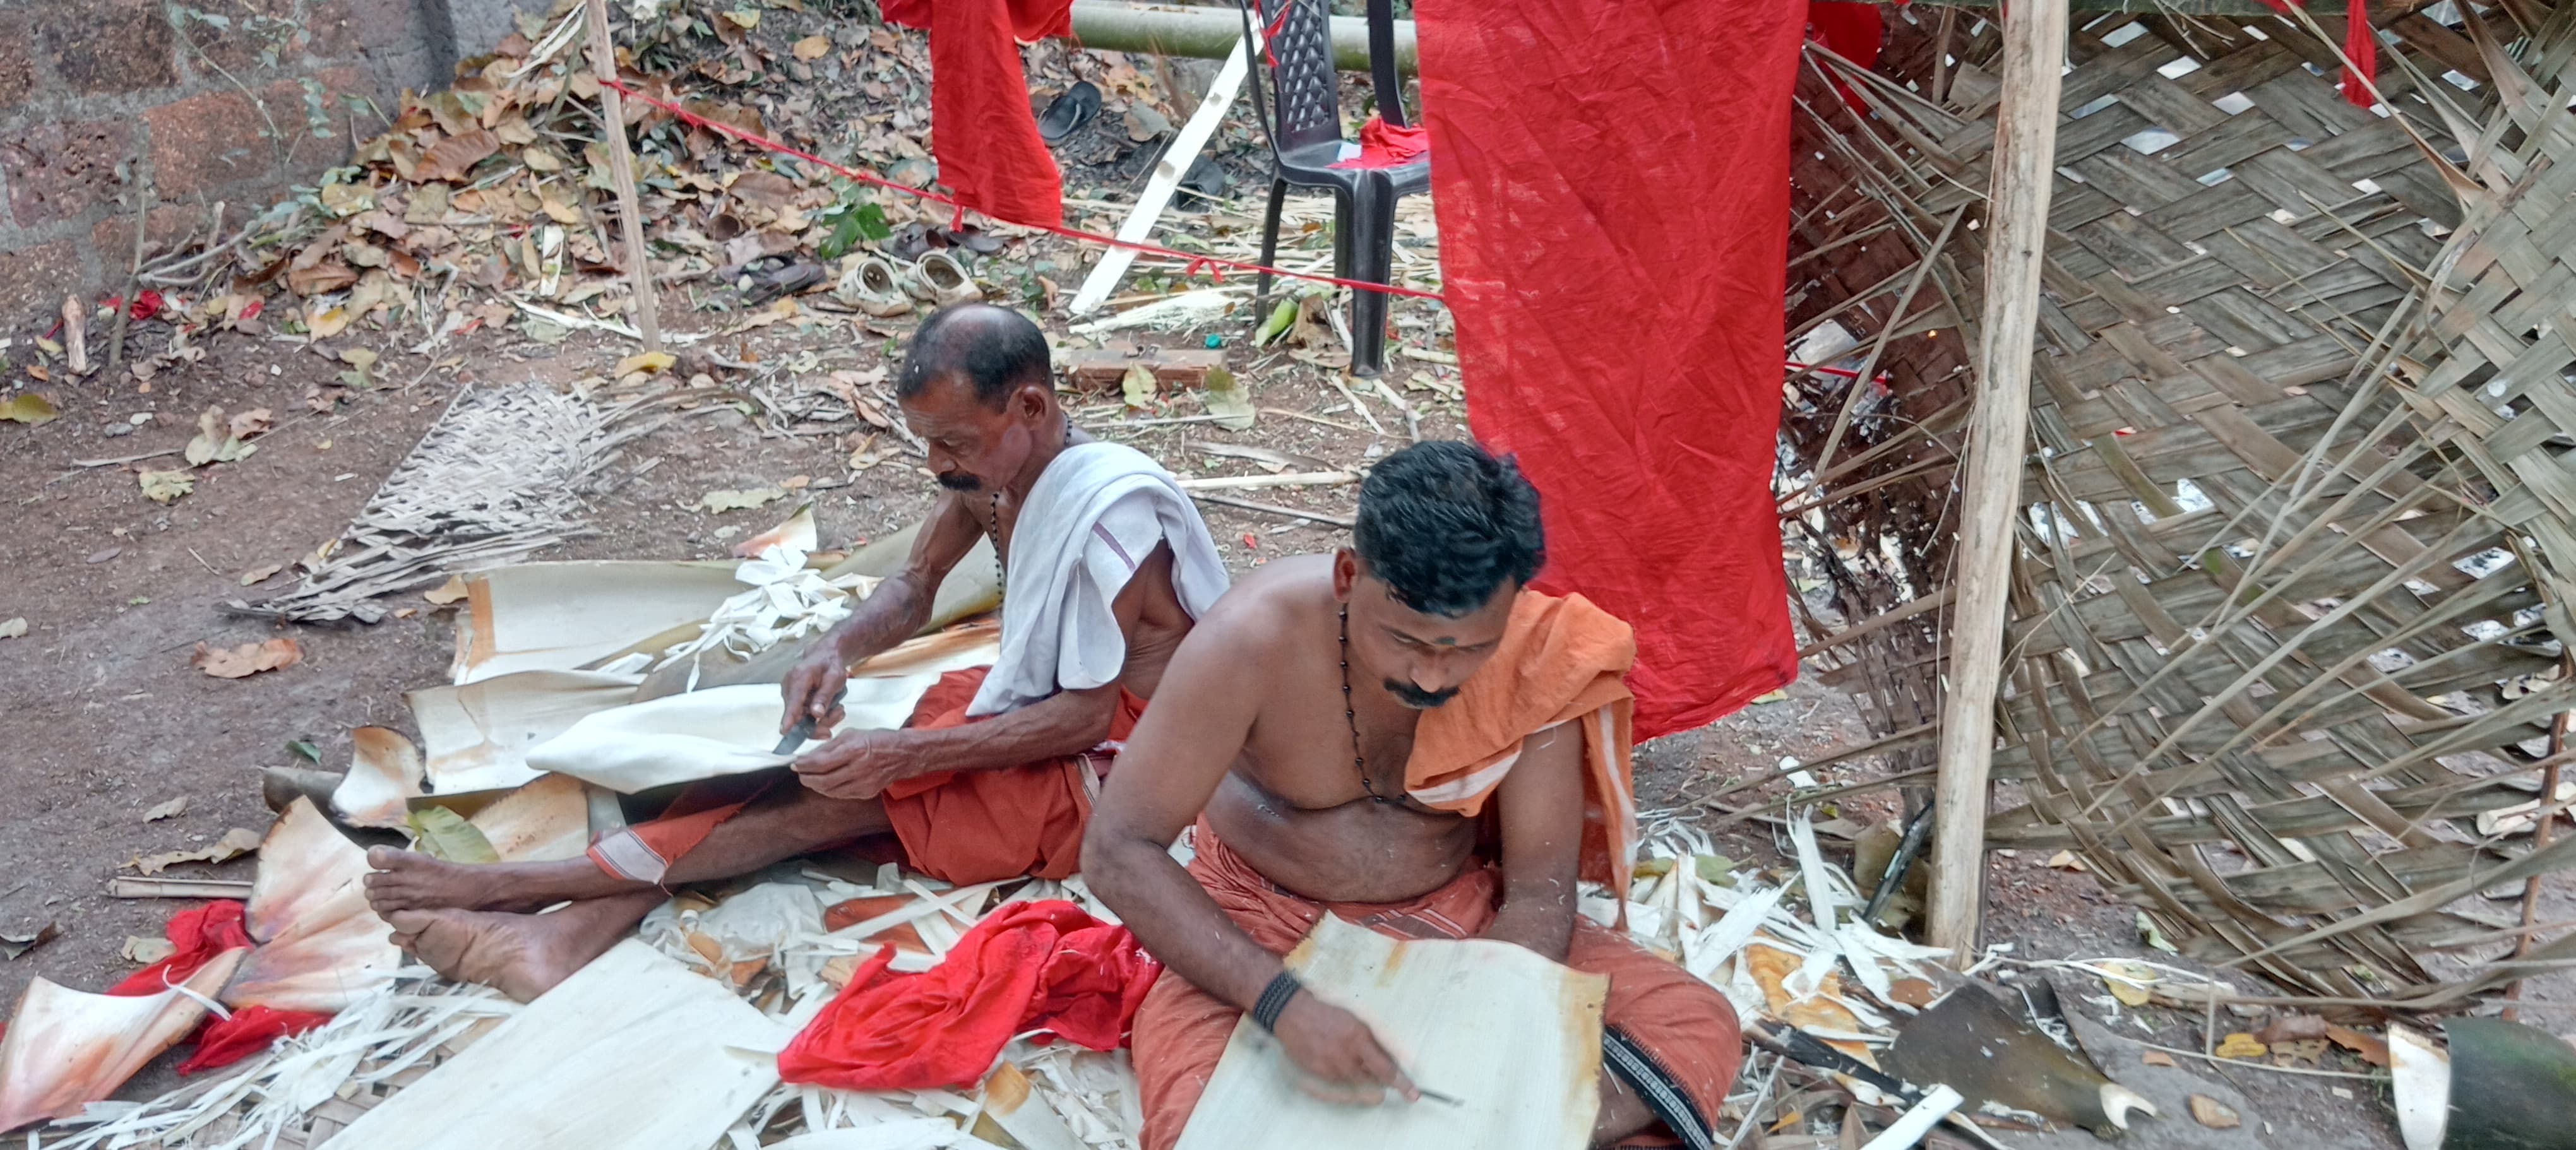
x=2292, y=1028
x=2241, y=1045
x=2372, y=1048
x=261, y=573
x=648, y=362
x=29, y=408
x=17, y=942
x=2134, y=984
x=143, y=951
x=248, y=659
x=164, y=486
x=250, y=423
x=236, y=842
x=446, y=593
x=169, y=810
x=2213, y=1113
x=13, y=628
x=2066, y=860
x=742, y=500
x=2157, y=1058
x=813, y=47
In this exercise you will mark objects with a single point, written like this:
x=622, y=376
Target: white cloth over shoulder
x=1094, y=515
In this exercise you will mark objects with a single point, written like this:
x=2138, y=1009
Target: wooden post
x=2016, y=230
x=621, y=169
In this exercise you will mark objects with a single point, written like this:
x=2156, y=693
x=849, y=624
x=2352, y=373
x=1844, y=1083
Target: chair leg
x=1374, y=256
x=1342, y=205
x=1269, y=249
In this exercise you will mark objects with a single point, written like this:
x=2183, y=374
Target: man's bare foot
x=409, y=880
x=520, y=955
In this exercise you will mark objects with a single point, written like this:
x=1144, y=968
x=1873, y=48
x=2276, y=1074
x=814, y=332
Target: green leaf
x=1138, y=387
x=853, y=223
x=1227, y=399
x=446, y=835
x=29, y=408
x=306, y=750
x=1281, y=319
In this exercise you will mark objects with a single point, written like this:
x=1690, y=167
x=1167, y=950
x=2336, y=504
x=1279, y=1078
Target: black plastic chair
x=1304, y=122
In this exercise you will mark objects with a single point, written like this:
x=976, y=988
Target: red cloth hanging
x=201, y=934
x=1029, y=966
x=981, y=129
x=2360, y=45
x=1849, y=30
x=1613, y=194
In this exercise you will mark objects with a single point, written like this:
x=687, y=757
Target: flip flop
x=1069, y=111
x=907, y=244
x=944, y=279
x=973, y=239
x=871, y=285
x=770, y=277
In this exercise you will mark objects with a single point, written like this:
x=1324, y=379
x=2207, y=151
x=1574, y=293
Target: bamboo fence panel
x=2298, y=513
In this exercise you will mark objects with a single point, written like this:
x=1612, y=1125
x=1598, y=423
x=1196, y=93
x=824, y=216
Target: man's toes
x=382, y=858
x=410, y=922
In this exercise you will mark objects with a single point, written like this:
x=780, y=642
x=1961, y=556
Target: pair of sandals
x=883, y=288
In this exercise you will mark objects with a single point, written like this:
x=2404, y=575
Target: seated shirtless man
x=1400, y=734
x=1107, y=565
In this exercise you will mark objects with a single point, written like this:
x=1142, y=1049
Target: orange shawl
x=1560, y=662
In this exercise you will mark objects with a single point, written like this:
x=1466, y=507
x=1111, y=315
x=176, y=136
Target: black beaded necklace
x=1359, y=762
x=1001, y=569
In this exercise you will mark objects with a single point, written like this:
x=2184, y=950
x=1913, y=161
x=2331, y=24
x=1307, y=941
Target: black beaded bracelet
x=1274, y=999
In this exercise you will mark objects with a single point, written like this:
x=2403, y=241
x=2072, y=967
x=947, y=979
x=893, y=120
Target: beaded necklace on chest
x=1359, y=761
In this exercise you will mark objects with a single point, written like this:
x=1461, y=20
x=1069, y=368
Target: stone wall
x=200, y=102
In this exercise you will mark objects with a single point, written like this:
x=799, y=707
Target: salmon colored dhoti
x=1680, y=1028
x=957, y=826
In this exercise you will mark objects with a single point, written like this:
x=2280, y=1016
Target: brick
x=1105, y=367
x=306, y=153
x=204, y=143
x=33, y=281
x=60, y=171
x=108, y=45
x=334, y=28
x=254, y=37
x=17, y=63
x=113, y=237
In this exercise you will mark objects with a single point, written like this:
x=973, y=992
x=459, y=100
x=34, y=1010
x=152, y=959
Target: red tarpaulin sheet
x=1612, y=183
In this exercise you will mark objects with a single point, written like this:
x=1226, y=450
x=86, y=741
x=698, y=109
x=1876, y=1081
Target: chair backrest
x=1305, y=104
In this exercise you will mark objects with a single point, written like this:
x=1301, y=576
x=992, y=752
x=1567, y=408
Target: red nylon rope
x=1196, y=261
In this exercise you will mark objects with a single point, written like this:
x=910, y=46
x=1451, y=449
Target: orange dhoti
x=1669, y=1036
x=956, y=826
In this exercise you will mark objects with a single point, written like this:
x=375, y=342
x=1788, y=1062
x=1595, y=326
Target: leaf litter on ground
x=236, y=842
x=248, y=659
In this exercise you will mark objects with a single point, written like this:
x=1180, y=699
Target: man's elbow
x=1108, y=858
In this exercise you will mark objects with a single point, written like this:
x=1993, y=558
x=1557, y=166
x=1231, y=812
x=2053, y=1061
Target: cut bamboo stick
x=1284, y=479
x=621, y=170
x=2016, y=232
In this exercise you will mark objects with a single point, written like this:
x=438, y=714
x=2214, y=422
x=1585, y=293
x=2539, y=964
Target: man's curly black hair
x=1445, y=525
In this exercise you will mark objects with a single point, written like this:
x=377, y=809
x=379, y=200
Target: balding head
x=992, y=351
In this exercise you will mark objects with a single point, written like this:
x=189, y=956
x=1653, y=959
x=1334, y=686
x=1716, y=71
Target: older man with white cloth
x=1106, y=566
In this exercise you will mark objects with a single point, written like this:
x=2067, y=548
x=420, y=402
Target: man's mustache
x=960, y=481
x=1417, y=698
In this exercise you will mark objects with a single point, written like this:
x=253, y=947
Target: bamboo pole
x=2016, y=230
x=1209, y=33
x=621, y=169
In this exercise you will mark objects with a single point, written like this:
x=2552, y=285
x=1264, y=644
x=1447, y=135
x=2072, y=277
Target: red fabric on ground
x=200, y=935
x=1385, y=145
x=1029, y=966
x=981, y=129
x=249, y=1031
x=1613, y=194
